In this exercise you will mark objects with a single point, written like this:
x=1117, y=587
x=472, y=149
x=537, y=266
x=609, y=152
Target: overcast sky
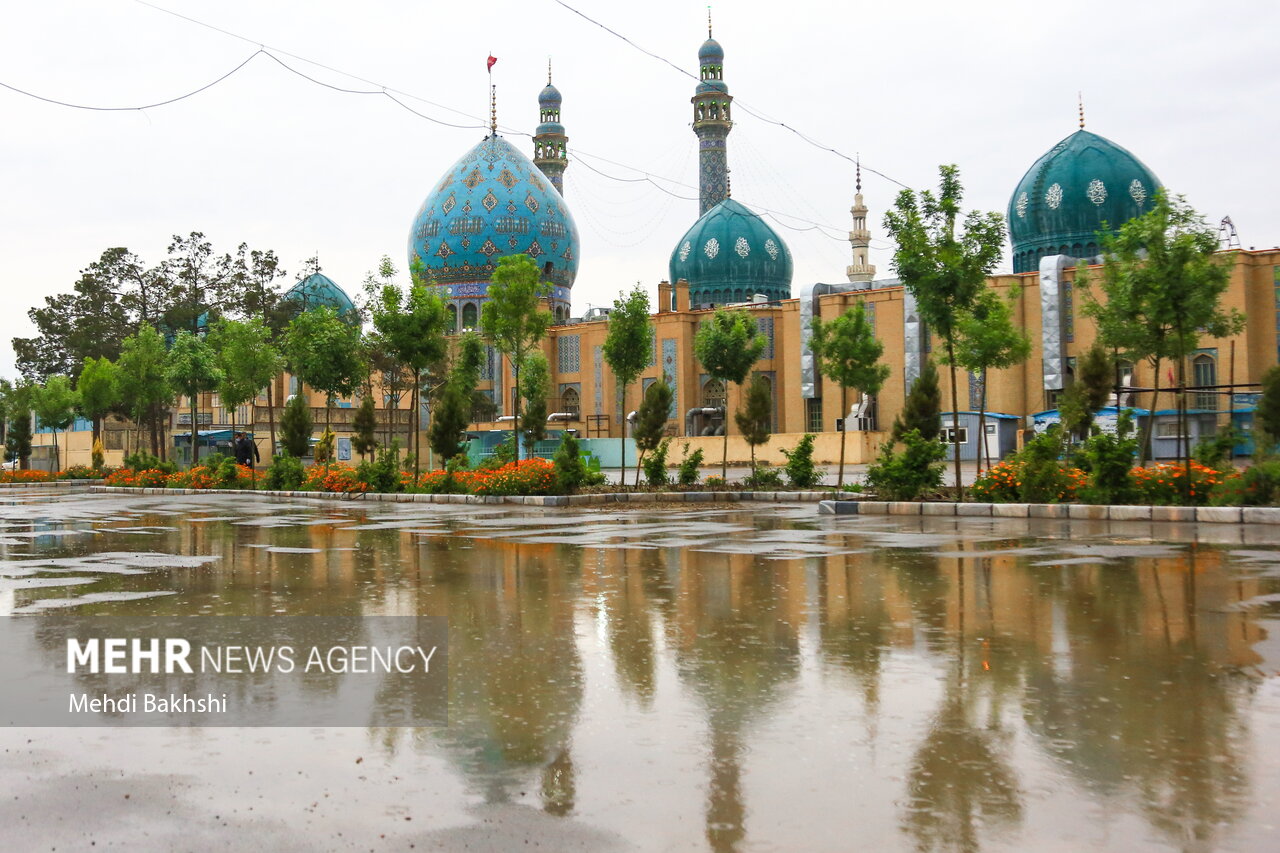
x=270, y=159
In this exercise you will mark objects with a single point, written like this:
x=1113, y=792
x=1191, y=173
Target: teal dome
x=493, y=202
x=317, y=290
x=711, y=52
x=549, y=96
x=729, y=255
x=1084, y=184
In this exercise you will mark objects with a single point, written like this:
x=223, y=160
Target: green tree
x=16, y=402
x=755, y=417
x=296, y=427
x=202, y=283
x=99, y=390
x=365, y=427
x=1161, y=288
x=247, y=360
x=258, y=295
x=55, y=406
x=944, y=271
x=628, y=349
x=727, y=345
x=511, y=318
x=413, y=326
x=988, y=338
x=324, y=352
x=1266, y=419
x=191, y=368
x=922, y=410
x=848, y=354
x=1087, y=394
x=452, y=410
x=144, y=381
x=651, y=420
x=534, y=385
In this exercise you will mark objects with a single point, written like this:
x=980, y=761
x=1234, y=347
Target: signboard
x=344, y=450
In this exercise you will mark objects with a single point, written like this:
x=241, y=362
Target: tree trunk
x=622, y=445
x=515, y=406
x=955, y=418
x=271, y=419
x=1184, y=437
x=195, y=433
x=724, y=445
x=416, y=418
x=844, y=428
x=1144, y=448
x=982, y=427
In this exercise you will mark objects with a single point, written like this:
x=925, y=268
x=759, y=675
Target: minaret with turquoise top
x=712, y=123
x=550, y=143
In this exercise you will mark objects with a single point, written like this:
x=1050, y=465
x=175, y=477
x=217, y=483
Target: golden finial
x=548, y=71
x=708, y=21
x=1080, y=98
x=858, y=181
x=493, y=109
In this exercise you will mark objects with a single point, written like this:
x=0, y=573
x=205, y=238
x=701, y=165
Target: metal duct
x=1051, y=337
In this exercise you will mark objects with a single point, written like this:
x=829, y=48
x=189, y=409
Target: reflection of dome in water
x=729, y=255
x=494, y=202
x=1084, y=184
x=318, y=290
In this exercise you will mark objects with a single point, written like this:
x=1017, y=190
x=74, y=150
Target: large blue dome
x=731, y=254
x=494, y=202
x=1084, y=184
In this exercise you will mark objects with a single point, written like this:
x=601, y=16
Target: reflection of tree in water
x=1143, y=710
x=515, y=676
x=960, y=780
x=737, y=649
x=636, y=589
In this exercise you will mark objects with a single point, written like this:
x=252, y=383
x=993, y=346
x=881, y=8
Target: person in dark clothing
x=246, y=450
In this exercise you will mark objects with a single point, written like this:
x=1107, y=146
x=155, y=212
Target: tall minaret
x=550, y=143
x=859, y=237
x=712, y=124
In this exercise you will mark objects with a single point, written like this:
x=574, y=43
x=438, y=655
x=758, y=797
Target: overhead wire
x=390, y=93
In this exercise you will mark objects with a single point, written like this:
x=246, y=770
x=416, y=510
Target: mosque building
x=496, y=201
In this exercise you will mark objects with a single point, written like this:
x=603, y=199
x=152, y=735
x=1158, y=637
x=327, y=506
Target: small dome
x=493, y=202
x=1083, y=184
x=549, y=97
x=711, y=52
x=729, y=255
x=318, y=290
x=711, y=86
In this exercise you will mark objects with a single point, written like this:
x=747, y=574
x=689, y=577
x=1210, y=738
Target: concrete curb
x=637, y=498
x=47, y=484
x=1073, y=512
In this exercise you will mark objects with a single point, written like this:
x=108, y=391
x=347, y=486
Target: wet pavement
x=686, y=679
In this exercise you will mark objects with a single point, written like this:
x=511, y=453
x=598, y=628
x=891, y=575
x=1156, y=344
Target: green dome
x=731, y=254
x=317, y=290
x=1084, y=184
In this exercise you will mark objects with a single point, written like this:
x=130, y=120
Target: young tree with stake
x=848, y=354
x=727, y=345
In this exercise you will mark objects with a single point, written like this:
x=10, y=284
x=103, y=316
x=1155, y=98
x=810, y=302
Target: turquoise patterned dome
x=729, y=255
x=493, y=202
x=1083, y=184
x=318, y=290
x=711, y=51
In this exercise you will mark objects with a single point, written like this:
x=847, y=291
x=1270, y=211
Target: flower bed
x=25, y=476
x=213, y=477
x=1003, y=483
x=526, y=477
x=148, y=478
x=335, y=478
x=1165, y=483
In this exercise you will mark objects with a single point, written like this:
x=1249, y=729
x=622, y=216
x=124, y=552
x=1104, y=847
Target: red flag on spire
x=489, y=64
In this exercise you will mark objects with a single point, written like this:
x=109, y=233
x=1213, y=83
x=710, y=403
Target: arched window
x=713, y=393
x=453, y=317
x=1204, y=372
x=470, y=315
x=570, y=401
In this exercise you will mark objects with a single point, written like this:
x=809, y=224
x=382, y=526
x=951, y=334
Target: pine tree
x=755, y=417
x=651, y=420
x=295, y=427
x=922, y=410
x=365, y=426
